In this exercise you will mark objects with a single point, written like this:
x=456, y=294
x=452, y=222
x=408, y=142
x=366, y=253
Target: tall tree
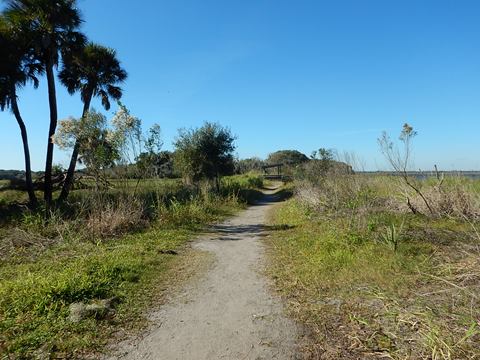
x=205, y=153
x=94, y=71
x=52, y=27
x=17, y=67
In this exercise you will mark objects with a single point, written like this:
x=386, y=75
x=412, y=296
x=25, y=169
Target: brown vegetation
x=372, y=279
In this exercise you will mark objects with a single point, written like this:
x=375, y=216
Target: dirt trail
x=229, y=313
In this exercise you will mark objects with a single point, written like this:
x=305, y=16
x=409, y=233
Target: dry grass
x=110, y=219
x=362, y=299
x=456, y=199
x=23, y=244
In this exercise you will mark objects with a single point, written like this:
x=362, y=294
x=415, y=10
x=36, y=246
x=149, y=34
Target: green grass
x=246, y=187
x=358, y=296
x=34, y=297
x=38, y=283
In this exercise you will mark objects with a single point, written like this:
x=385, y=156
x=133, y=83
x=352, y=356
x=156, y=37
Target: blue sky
x=287, y=75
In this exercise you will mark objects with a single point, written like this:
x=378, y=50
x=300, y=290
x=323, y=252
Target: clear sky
x=291, y=74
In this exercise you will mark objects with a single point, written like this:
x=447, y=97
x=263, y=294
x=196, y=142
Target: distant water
x=422, y=175
x=474, y=176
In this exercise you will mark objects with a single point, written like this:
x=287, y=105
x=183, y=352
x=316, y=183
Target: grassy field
x=167, y=186
x=371, y=281
x=46, y=267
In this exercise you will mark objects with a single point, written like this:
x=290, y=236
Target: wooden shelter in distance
x=277, y=175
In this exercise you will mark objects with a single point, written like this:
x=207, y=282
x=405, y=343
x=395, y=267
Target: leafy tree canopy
x=157, y=164
x=204, y=153
x=288, y=157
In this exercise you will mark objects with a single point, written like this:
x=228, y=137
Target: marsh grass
x=412, y=296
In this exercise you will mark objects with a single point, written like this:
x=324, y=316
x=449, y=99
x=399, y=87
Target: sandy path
x=229, y=313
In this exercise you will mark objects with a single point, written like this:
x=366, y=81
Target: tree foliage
x=287, y=157
x=100, y=145
x=18, y=67
x=152, y=161
x=51, y=27
x=93, y=71
x=156, y=164
x=131, y=139
x=243, y=166
x=204, y=153
x=51, y=30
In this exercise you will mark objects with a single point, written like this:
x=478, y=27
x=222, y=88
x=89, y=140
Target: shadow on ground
x=232, y=232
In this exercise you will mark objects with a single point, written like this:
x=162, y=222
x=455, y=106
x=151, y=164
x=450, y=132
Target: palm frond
x=93, y=71
x=105, y=100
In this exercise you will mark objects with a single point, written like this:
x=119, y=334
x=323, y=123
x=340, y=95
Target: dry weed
x=19, y=242
x=115, y=218
x=457, y=200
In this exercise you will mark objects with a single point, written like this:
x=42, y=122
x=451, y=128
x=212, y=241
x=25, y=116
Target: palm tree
x=52, y=27
x=17, y=67
x=95, y=71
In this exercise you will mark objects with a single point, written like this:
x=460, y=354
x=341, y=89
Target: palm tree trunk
x=26, y=152
x=52, y=99
x=67, y=185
